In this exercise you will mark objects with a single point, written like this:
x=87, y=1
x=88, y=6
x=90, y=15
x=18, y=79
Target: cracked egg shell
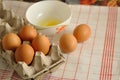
x=27, y=33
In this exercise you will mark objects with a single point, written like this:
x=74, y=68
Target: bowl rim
x=44, y=1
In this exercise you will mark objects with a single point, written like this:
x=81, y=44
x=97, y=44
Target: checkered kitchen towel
x=96, y=59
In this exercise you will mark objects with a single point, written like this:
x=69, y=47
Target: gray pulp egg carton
x=41, y=64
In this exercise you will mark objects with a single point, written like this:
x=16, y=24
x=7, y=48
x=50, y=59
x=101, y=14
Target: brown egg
x=11, y=41
x=24, y=53
x=27, y=33
x=82, y=32
x=41, y=43
x=67, y=43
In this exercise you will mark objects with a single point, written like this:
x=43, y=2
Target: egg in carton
x=41, y=64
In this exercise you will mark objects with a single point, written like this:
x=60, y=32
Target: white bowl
x=48, y=14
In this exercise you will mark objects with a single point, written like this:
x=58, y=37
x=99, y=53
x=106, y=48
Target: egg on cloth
x=82, y=32
x=67, y=43
x=10, y=41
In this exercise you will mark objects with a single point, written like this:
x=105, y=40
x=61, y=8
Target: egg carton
x=41, y=64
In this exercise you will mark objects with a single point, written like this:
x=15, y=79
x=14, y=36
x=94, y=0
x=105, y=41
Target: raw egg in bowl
x=48, y=14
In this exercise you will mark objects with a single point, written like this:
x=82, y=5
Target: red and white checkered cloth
x=96, y=59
